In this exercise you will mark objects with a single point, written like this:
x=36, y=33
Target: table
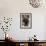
x=27, y=42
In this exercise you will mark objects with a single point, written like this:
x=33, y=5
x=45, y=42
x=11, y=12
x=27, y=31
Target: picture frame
x=26, y=20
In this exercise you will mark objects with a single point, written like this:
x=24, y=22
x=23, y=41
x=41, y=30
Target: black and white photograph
x=26, y=20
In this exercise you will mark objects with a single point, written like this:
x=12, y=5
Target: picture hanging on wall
x=25, y=20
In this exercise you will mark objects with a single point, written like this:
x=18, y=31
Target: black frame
x=30, y=17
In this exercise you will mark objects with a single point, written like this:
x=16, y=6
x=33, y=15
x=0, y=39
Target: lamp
x=36, y=3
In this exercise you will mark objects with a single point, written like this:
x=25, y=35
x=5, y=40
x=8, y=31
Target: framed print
x=25, y=20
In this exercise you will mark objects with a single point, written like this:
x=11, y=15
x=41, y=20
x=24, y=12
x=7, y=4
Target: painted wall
x=13, y=8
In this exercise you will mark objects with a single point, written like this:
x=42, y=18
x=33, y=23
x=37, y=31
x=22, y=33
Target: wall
x=13, y=8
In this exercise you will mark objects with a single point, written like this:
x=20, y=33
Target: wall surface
x=13, y=8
